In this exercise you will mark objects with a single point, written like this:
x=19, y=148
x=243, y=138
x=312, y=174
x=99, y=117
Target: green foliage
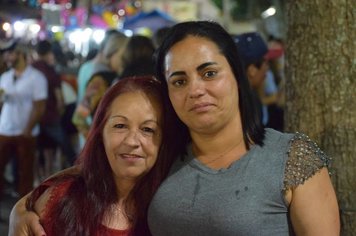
x=218, y=3
x=239, y=9
x=244, y=9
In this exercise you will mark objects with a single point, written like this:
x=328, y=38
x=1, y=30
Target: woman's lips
x=131, y=157
x=201, y=107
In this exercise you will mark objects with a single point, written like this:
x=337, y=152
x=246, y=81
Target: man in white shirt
x=23, y=98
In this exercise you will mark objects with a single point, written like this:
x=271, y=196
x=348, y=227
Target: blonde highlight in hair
x=114, y=43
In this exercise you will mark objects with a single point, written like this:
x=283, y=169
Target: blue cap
x=251, y=47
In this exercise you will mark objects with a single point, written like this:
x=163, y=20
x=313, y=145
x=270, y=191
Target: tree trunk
x=321, y=88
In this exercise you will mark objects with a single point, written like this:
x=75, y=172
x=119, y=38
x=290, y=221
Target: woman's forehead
x=193, y=51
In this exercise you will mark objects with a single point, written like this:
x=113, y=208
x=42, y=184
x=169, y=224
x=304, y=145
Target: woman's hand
x=23, y=222
x=27, y=223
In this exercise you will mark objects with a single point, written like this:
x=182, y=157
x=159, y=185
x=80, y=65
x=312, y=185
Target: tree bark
x=321, y=88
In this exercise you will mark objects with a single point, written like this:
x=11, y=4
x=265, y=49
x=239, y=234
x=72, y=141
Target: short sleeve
x=305, y=159
x=40, y=87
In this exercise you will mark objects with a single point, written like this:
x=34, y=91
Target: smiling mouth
x=131, y=156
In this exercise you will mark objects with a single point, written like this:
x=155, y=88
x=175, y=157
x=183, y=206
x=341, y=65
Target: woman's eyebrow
x=202, y=66
x=176, y=73
x=199, y=68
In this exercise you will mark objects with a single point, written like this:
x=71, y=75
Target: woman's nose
x=132, y=139
x=196, y=88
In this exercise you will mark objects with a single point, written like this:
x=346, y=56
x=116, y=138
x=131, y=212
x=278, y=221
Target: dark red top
x=57, y=193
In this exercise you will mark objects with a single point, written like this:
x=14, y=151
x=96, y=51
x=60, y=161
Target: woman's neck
x=117, y=216
x=124, y=187
x=221, y=148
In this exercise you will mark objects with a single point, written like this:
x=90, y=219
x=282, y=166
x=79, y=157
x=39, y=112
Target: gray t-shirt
x=245, y=199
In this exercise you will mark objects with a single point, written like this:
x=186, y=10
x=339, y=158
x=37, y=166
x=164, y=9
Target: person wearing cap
x=255, y=54
x=52, y=133
x=24, y=99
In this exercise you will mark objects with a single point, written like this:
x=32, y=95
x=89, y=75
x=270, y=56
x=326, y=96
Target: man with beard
x=23, y=96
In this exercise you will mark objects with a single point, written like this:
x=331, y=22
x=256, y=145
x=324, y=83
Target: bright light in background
x=51, y=6
x=269, y=12
x=121, y=12
x=128, y=33
x=137, y=4
x=8, y=29
x=76, y=38
x=35, y=28
x=19, y=26
x=68, y=5
x=56, y=29
x=98, y=35
x=6, y=26
x=86, y=34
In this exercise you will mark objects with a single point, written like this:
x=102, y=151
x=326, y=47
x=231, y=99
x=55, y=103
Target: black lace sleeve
x=304, y=159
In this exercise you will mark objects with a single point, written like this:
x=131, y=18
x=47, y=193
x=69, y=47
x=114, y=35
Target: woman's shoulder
x=302, y=156
x=51, y=191
x=304, y=159
x=275, y=140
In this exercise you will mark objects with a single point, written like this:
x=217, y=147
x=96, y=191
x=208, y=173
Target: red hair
x=93, y=191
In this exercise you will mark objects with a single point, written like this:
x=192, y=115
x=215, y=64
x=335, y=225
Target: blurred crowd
x=47, y=104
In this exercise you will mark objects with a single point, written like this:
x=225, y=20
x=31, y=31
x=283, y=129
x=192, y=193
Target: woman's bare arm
x=314, y=208
x=26, y=223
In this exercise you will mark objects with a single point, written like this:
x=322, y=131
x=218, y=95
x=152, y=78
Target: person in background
x=3, y=66
x=231, y=176
x=138, y=57
x=276, y=49
x=136, y=60
x=52, y=134
x=69, y=91
x=100, y=81
x=255, y=55
x=97, y=64
x=159, y=35
x=91, y=54
x=94, y=65
x=122, y=164
x=24, y=100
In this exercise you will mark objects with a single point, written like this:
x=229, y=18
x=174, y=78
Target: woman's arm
x=26, y=223
x=313, y=208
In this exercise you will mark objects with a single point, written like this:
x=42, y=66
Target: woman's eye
x=210, y=74
x=148, y=130
x=179, y=82
x=119, y=126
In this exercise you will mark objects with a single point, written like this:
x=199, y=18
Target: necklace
x=116, y=217
x=221, y=155
x=116, y=209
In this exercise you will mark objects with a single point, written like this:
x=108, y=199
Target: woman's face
x=132, y=134
x=201, y=85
